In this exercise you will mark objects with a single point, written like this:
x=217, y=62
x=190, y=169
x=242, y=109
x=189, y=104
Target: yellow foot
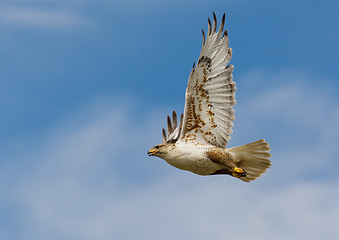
x=238, y=172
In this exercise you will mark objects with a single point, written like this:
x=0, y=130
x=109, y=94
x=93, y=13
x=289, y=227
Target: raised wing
x=210, y=93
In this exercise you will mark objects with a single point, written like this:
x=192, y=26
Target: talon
x=238, y=172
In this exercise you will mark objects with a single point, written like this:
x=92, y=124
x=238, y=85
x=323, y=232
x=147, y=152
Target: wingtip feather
x=214, y=23
x=174, y=120
x=164, y=137
x=209, y=26
x=169, y=125
x=222, y=24
x=203, y=37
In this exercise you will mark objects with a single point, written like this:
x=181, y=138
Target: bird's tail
x=253, y=158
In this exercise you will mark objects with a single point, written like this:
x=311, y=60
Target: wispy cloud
x=42, y=18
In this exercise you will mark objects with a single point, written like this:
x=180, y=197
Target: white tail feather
x=253, y=158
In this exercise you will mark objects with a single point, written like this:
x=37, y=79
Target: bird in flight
x=198, y=143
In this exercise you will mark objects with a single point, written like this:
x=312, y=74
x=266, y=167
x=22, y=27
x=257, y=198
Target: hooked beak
x=152, y=151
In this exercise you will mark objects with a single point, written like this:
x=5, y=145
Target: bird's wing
x=173, y=130
x=210, y=93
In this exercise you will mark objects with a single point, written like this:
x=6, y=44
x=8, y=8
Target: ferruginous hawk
x=198, y=143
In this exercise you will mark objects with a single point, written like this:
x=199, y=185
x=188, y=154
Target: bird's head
x=160, y=150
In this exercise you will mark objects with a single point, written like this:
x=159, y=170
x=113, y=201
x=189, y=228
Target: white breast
x=190, y=157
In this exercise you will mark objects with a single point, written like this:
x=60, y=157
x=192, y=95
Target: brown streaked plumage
x=219, y=155
x=198, y=143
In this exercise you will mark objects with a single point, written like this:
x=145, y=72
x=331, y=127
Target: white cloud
x=222, y=208
x=43, y=18
x=69, y=186
x=184, y=207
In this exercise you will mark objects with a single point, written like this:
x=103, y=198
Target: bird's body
x=198, y=143
x=191, y=157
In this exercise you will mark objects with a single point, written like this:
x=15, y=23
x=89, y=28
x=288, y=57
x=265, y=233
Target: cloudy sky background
x=85, y=89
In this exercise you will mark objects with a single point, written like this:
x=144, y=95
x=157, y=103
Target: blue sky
x=85, y=89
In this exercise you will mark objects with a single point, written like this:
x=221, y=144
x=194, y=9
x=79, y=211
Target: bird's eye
x=156, y=147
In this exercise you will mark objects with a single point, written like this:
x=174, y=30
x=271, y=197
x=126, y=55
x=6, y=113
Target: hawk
x=198, y=143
